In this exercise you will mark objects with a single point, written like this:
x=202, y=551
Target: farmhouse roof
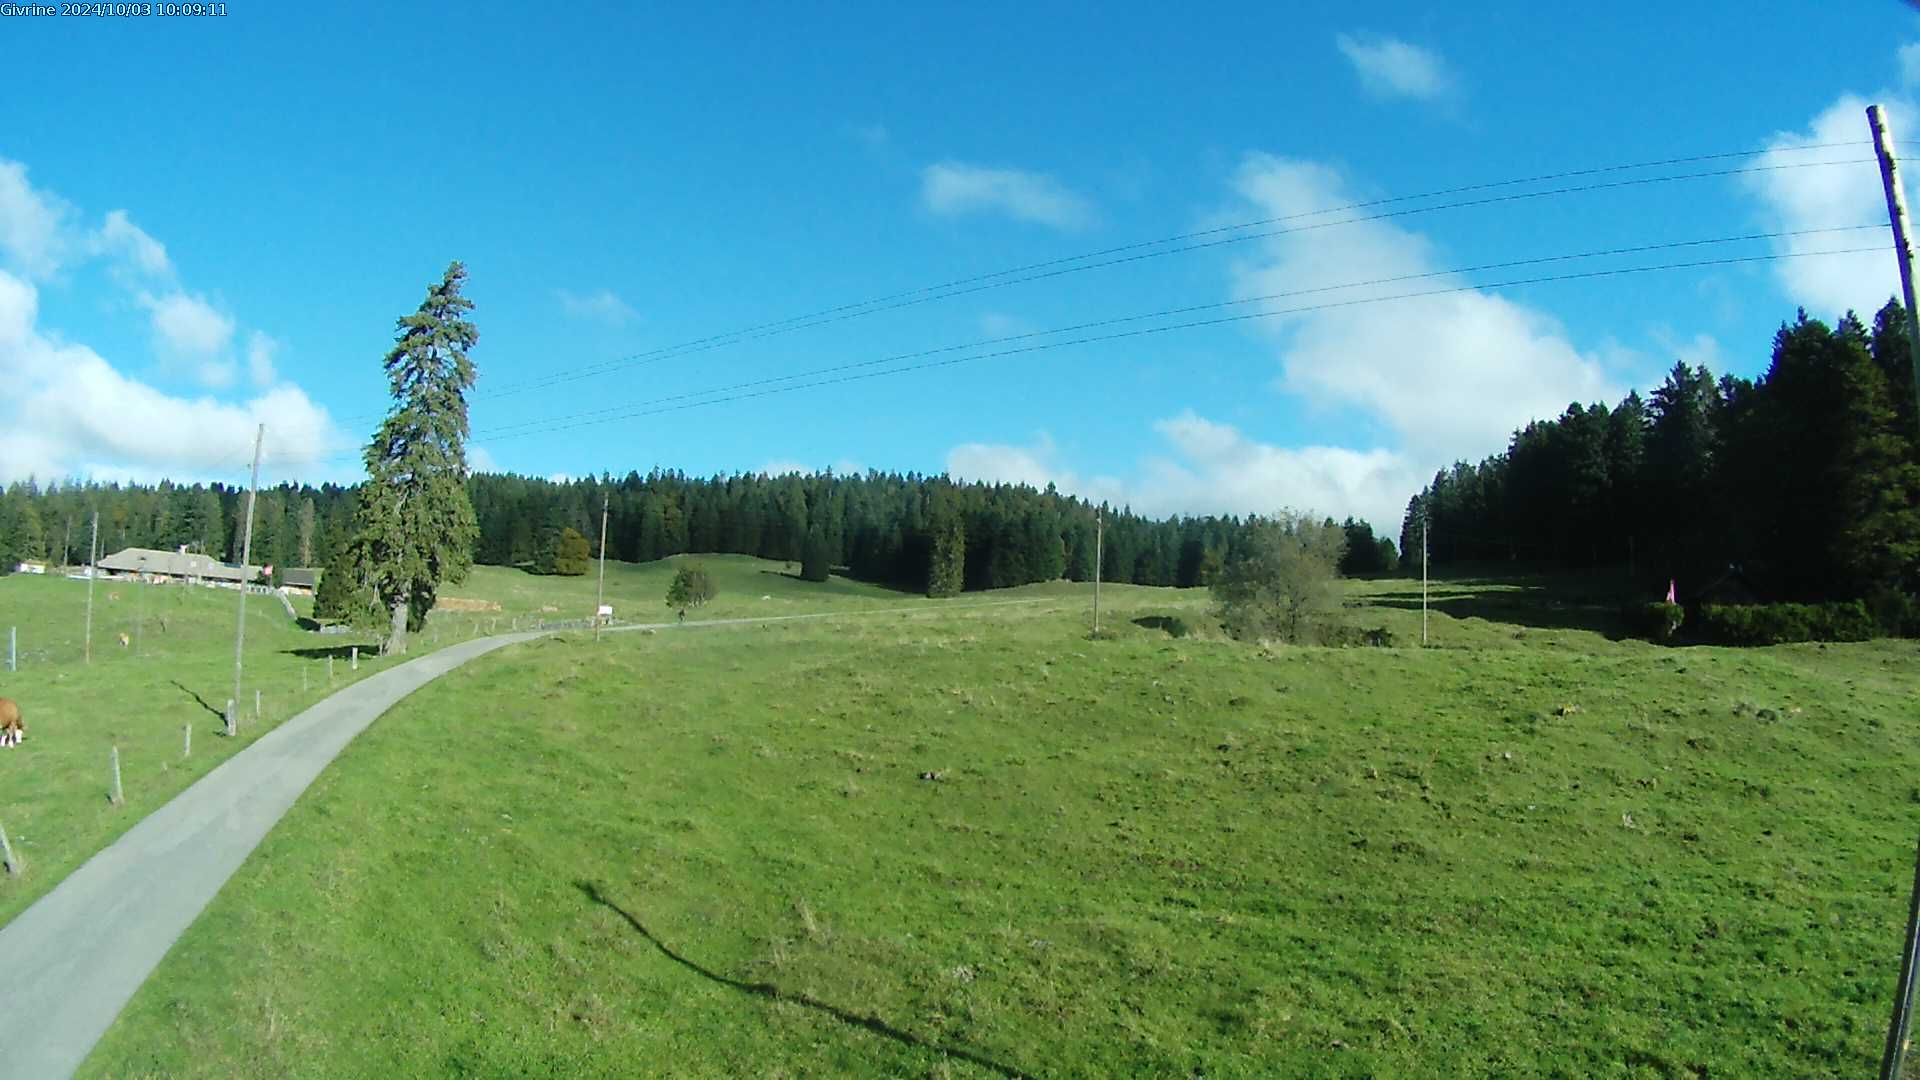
x=173, y=563
x=307, y=577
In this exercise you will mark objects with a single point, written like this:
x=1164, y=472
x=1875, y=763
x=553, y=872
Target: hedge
x=1775, y=624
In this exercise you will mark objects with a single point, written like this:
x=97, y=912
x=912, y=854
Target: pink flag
x=1670, y=595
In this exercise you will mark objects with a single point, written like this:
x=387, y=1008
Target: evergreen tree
x=946, y=568
x=414, y=527
x=817, y=561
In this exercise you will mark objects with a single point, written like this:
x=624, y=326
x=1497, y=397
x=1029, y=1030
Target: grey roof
x=173, y=563
x=301, y=577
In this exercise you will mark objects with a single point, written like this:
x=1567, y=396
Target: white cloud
x=1826, y=196
x=188, y=324
x=1391, y=68
x=33, y=235
x=120, y=238
x=65, y=411
x=261, y=350
x=1001, y=463
x=559, y=478
x=953, y=188
x=601, y=304
x=480, y=460
x=1451, y=375
x=1208, y=467
x=1910, y=64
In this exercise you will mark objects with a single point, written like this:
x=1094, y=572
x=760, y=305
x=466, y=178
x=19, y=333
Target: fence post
x=186, y=737
x=118, y=797
x=233, y=720
x=6, y=853
x=256, y=706
x=13, y=653
x=356, y=658
x=329, y=671
x=1893, y=1061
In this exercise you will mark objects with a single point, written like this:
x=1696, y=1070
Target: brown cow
x=12, y=728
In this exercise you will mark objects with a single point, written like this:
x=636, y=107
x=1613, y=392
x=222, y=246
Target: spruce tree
x=414, y=527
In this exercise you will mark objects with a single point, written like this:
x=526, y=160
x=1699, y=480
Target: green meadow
x=970, y=841
x=174, y=672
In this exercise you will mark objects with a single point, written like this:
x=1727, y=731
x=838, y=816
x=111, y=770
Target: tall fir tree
x=414, y=527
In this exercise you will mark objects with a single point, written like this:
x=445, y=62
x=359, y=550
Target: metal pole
x=601, y=600
x=1902, y=234
x=1893, y=1060
x=13, y=648
x=1099, y=535
x=93, y=569
x=246, y=555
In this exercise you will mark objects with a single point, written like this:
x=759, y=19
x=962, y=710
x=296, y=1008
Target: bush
x=1657, y=621
x=1348, y=637
x=1776, y=624
x=1282, y=580
x=691, y=587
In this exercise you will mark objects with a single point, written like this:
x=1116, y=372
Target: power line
x=1135, y=252
x=1171, y=312
x=680, y=402
x=1144, y=331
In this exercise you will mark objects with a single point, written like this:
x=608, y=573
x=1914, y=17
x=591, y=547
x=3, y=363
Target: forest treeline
x=911, y=530
x=1805, y=480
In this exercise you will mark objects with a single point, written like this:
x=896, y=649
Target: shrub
x=1659, y=621
x=691, y=587
x=1378, y=637
x=1775, y=624
x=1282, y=580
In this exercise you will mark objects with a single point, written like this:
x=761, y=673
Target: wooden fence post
x=233, y=720
x=356, y=658
x=118, y=797
x=186, y=742
x=256, y=706
x=6, y=853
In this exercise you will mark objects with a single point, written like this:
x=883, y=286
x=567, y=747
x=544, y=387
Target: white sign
x=606, y=611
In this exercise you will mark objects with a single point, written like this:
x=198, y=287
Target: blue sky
x=204, y=222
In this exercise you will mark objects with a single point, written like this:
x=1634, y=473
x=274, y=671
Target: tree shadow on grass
x=334, y=652
x=774, y=993
x=1534, y=608
x=195, y=695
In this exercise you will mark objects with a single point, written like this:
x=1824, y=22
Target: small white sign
x=606, y=611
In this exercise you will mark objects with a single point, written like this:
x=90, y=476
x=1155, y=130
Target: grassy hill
x=637, y=591
x=1527, y=851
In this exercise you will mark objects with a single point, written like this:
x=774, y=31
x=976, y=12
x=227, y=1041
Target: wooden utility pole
x=1423, y=577
x=93, y=570
x=1099, y=534
x=246, y=556
x=600, y=600
x=1893, y=1059
x=1902, y=235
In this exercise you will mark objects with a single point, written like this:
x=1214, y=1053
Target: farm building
x=150, y=565
x=31, y=568
x=302, y=580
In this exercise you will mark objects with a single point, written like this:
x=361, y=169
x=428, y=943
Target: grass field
x=712, y=852
x=176, y=670
x=637, y=592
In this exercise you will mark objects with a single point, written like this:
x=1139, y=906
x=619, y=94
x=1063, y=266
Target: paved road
x=69, y=963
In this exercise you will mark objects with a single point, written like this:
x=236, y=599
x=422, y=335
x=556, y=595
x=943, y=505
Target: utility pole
x=246, y=556
x=93, y=570
x=1099, y=534
x=1902, y=235
x=600, y=601
x=1423, y=577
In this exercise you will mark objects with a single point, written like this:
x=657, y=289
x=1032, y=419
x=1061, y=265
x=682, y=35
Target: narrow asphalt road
x=69, y=963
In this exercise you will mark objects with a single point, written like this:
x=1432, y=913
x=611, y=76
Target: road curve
x=70, y=963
